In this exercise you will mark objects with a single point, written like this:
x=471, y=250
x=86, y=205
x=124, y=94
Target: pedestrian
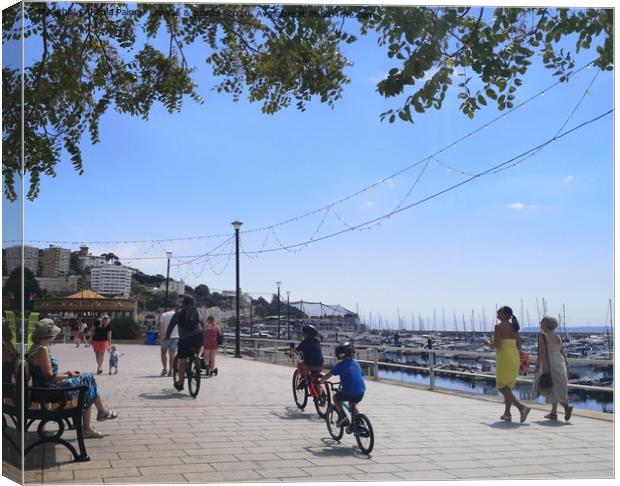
x=209, y=344
x=551, y=375
x=168, y=346
x=81, y=325
x=102, y=340
x=89, y=334
x=191, y=329
x=45, y=373
x=507, y=345
x=75, y=333
x=113, y=360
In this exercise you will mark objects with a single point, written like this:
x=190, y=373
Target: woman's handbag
x=545, y=380
x=220, y=339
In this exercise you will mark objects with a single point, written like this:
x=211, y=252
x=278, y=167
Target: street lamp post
x=168, y=256
x=288, y=315
x=237, y=225
x=278, y=284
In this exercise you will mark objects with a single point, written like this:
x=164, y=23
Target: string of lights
x=343, y=199
x=522, y=157
x=512, y=162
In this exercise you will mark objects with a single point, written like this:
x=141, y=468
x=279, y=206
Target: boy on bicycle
x=310, y=348
x=351, y=380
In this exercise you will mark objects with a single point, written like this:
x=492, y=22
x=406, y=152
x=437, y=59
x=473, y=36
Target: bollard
x=376, y=367
x=431, y=373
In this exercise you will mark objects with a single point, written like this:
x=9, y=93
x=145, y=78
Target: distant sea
x=577, y=329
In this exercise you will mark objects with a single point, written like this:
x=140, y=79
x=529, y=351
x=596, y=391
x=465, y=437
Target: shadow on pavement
x=293, y=413
x=166, y=394
x=334, y=449
x=506, y=425
x=552, y=423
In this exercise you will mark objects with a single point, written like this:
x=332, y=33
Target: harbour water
x=602, y=402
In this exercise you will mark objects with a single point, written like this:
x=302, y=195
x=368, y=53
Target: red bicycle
x=306, y=383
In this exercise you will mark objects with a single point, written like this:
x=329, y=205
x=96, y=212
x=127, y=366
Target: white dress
x=555, y=362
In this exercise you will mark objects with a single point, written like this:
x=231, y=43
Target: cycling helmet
x=344, y=350
x=310, y=330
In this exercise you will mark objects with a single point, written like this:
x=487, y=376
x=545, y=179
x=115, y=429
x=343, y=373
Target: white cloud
x=369, y=204
x=519, y=206
x=568, y=179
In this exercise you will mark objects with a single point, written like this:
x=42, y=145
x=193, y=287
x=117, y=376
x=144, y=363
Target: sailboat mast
x=443, y=318
x=564, y=321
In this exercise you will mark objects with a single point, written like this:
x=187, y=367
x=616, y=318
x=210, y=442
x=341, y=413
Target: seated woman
x=44, y=372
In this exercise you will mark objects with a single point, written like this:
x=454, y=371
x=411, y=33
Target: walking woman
x=507, y=346
x=102, y=340
x=44, y=372
x=212, y=330
x=552, y=360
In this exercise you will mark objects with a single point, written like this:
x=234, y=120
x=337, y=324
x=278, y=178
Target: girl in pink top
x=210, y=344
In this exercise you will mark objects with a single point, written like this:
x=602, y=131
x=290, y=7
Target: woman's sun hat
x=44, y=329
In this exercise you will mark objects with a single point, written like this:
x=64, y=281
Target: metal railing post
x=431, y=366
x=255, y=350
x=376, y=366
x=275, y=351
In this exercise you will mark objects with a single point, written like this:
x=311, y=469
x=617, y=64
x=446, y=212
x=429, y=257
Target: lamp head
x=236, y=224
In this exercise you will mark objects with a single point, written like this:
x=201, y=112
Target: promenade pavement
x=244, y=426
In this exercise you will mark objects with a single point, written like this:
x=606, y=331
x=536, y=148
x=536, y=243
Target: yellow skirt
x=507, y=364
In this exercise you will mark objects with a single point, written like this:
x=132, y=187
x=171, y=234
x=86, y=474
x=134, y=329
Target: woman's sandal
x=506, y=418
x=551, y=416
x=110, y=415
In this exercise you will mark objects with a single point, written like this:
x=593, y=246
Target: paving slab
x=244, y=427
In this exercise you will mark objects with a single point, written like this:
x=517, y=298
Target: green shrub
x=124, y=328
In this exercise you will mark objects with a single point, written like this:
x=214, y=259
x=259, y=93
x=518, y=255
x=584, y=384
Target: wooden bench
x=43, y=405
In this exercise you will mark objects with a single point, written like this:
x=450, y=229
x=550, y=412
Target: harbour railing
x=273, y=350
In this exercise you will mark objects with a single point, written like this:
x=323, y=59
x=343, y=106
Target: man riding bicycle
x=310, y=348
x=190, y=328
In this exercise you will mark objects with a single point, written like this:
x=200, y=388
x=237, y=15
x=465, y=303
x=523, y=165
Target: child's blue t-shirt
x=351, y=376
x=311, y=349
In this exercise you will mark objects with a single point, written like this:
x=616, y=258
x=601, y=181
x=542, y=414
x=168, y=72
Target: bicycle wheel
x=175, y=369
x=331, y=417
x=322, y=402
x=193, y=376
x=364, y=435
x=300, y=392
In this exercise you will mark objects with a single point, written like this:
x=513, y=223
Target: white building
x=13, y=256
x=174, y=287
x=111, y=280
x=88, y=260
x=55, y=262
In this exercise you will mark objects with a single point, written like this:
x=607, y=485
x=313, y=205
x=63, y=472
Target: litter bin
x=151, y=337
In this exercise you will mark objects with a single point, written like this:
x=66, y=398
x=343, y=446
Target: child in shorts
x=351, y=380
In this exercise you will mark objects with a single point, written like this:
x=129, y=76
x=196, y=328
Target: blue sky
x=543, y=229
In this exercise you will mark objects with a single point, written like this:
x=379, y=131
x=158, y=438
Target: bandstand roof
x=86, y=294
